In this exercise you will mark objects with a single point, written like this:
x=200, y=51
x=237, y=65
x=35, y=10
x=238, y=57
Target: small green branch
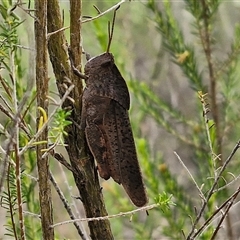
x=205, y=36
x=11, y=206
x=211, y=191
x=228, y=203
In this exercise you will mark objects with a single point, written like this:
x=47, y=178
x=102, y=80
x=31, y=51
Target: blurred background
x=164, y=65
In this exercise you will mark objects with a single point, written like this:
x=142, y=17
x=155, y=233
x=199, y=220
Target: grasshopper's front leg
x=94, y=109
x=97, y=145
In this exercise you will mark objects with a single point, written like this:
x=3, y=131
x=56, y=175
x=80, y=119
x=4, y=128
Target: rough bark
x=42, y=92
x=82, y=162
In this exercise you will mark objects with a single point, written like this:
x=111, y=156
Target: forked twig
x=110, y=31
x=229, y=205
x=205, y=225
x=191, y=234
x=47, y=122
x=105, y=12
x=227, y=185
x=115, y=7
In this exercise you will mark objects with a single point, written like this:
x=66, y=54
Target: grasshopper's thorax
x=98, y=63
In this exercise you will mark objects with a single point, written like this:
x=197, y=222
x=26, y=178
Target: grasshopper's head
x=96, y=65
x=101, y=65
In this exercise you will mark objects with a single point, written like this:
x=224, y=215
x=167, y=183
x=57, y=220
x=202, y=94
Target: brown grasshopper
x=105, y=119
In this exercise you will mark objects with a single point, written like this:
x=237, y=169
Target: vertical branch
x=16, y=147
x=87, y=182
x=19, y=193
x=82, y=162
x=42, y=91
x=76, y=46
x=206, y=42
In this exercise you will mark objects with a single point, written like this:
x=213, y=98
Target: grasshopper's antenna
x=110, y=31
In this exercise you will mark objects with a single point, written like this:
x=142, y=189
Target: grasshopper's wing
x=123, y=164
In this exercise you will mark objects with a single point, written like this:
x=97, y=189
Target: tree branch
x=42, y=92
x=80, y=158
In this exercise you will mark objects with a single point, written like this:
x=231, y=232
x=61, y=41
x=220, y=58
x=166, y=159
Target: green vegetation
x=181, y=64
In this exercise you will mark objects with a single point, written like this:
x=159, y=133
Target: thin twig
x=11, y=116
x=27, y=11
x=24, y=47
x=24, y=149
x=59, y=157
x=57, y=31
x=32, y=214
x=89, y=19
x=66, y=205
x=228, y=184
x=149, y=207
x=50, y=149
x=191, y=176
x=105, y=12
x=73, y=199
